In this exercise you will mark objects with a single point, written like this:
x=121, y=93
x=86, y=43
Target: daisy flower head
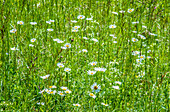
x=61, y=93
x=93, y=63
x=33, y=40
x=56, y=39
x=67, y=45
x=52, y=92
x=94, y=39
x=45, y=77
x=49, y=30
x=60, y=65
x=13, y=49
x=67, y=91
x=117, y=82
x=134, y=39
x=92, y=95
x=64, y=88
x=104, y=104
x=89, y=18
x=20, y=22
x=115, y=13
x=138, y=61
x=13, y=31
x=135, y=53
x=51, y=20
x=112, y=26
x=115, y=87
x=142, y=37
x=76, y=27
x=91, y=72
x=73, y=21
x=142, y=57
x=130, y=10
x=85, y=38
x=75, y=30
x=48, y=22
x=84, y=50
x=122, y=11
x=67, y=69
x=80, y=17
x=52, y=86
x=77, y=105
x=33, y=23
x=96, y=87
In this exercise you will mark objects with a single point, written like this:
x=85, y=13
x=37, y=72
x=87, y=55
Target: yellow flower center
x=94, y=64
x=50, y=86
x=75, y=27
x=67, y=70
x=13, y=31
x=91, y=73
x=61, y=93
x=81, y=17
x=91, y=94
x=134, y=39
x=112, y=26
x=64, y=88
x=67, y=45
x=20, y=22
x=141, y=57
x=76, y=105
x=130, y=10
x=95, y=87
x=60, y=66
x=51, y=92
x=67, y=91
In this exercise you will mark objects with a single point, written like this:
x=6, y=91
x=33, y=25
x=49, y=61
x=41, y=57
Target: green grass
x=144, y=85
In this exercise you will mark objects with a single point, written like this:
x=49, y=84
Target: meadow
x=84, y=56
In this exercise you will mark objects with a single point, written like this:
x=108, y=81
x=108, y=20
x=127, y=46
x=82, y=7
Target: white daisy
x=117, y=82
x=77, y=105
x=81, y=17
x=130, y=10
x=64, y=88
x=45, y=77
x=91, y=72
x=93, y=63
x=67, y=45
x=33, y=40
x=94, y=39
x=96, y=87
x=13, y=31
x=92, y=95
x=67, y=69
x=67, y=91
x=13, y=49
x=20, y=22
x=33, y=23
x=134, y=39
x=49, y=30
x=84, y=50
x=115, y=87
x=61, y=93
x=104, y=104
x=112, y=26
x=60, y=65
x=73, y=21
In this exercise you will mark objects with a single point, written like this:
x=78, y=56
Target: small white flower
x=117, y=82
x=67, y=69
x=64, y=88
x=115, y=13
x=77, y=105
x=142, y=37
x=20, y=22
x=115, y=87
x=91, y=72
x=135, y=53
x=56, y=39
x=31, y=45
x=48, y=22
x=96, y=87
x=52, y=86
x=81, y=17
x=142, y=57
x=45, y=77
x=63, y=47
x=13, y=31
x=135, y=22
x=67, y=91
x=134, y=31
x=74, y=30
x=73, y=21
x=85, y=38
x=42, y=103
x=33, y=40
x=61, y=93
x=112, y=26
x=89, y=19
x=104, y=104
x=92, y=95
x=93, y=63
x=67, y=45
x=112, y=35
x=33, y=23
x=84, y=50
x=76, y=27
x=14, y=49
x=94, y=39
x=134, y=39
x=114, y=41
x=51, y=20
x=60, y=65
x=130, y=10
x=49, y=29
x=121, y=11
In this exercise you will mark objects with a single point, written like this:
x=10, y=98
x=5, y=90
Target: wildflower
x=64, y=88
x=49, y=29
x=130, y=10
x=67, y=69
x=92, y=95
x=48, y=22
x=84, y=50
x=52, y=87
x=91, y=72
x=33, y=23
x=104, y=104
x=60, y=41
x=67, y=91
x=81, y=17
x=134, y=39
x=61, y=93
x=76, y=27
x=45, y=77
x=142, y=37
x=89, y=18
x=112, y=35
x=51, y=92
x=47, y=90
x=63, y=47
x=41, y=91
x=114, y=41
x=74, y=30
x=138, y=61
x=93, y=63
x=134, y=31
x=73, y=21
x=13, y=49
x=152, y=34
x=112, y=26
x=13, y=31
x=85, y=38
x=56, y=39
x=117, y=82
x=77, y=105
x=142, y=57
x=60, y=65
x=20, y=22
x=42, y=103
x=31, y=45
x=33, y=40
x=115, y=87
x=67, y=45
x=51, y=20
x=121, y=11
x=135, y=22
x=135, y=53
x=115, y=13
x=94, y=39
x=96, y=87
x=148, y=57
